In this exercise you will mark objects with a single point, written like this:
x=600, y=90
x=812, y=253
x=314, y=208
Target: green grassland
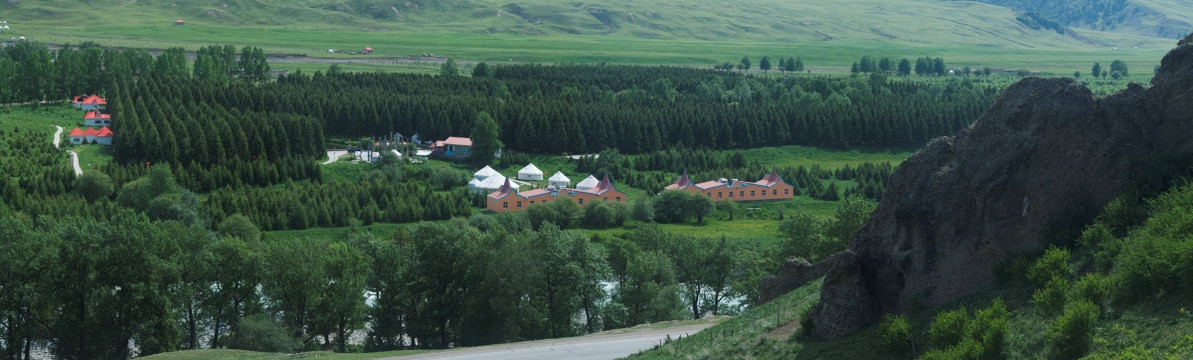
x=673, y=32
x=41, y=119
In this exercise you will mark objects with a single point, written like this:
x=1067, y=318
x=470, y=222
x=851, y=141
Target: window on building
x=741, y=193
x=786, y=191
x=709, y=194
x=531, y=202
x=774, y=192
x=580, y=201
x=718, y=194
x=618, y=199
x=730, y=194
x=505, y=205
x=519, y=204
x=752, y=193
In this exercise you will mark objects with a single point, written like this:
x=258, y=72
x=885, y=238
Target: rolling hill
x=694, y=31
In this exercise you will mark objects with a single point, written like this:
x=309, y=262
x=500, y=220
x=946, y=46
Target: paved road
x=74, y=157
x=605, y=345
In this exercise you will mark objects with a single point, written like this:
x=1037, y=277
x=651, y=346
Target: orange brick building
x=770, y=187
x=507, y=198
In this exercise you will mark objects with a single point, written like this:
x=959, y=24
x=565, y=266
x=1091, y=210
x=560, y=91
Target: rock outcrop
x=1042, y=159
x=796, y=273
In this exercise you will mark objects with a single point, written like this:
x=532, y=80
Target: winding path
x=74, y=157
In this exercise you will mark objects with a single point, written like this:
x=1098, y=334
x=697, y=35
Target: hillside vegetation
x=542, y=31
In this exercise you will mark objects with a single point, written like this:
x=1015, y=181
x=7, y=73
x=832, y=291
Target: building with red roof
x=367, y=50
x=507, y=198
x=89, y=102
x=770, y=187
x=454, y=148
x=96, y=118
x=77, y=136
x=103, y=136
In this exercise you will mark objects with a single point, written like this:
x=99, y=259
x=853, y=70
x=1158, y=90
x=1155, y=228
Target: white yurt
x=588, y=183
x=472, y=184
x=484, y=173
x=559, y=180
x=493, y=183
x=530, y=172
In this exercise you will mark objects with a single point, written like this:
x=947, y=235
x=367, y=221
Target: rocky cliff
x=1040, y=161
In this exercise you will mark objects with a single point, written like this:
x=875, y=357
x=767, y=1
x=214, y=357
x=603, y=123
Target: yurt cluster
x=504, y=194
x=487, y=180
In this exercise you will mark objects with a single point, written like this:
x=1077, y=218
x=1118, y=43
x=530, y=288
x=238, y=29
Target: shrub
x=966, y=349
x=1101, y=243
x=1049, y=300
x=1094, y=288
x=601, y=214
x=989, y=327
x=94, y=185
x=643, y=211
x=948, y=328
x=1053, y=264
x=260, y=333
x=1070, y=335
x=241, y=227
x=895, y=332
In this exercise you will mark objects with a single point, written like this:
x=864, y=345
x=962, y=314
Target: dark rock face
x=795, y=273
x=1047, y=154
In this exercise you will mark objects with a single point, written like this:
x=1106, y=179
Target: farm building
x=179, y=22
x=770, y=187
x=530, y=172
x=96, y=118
x=559, y=180
x=588, y=183
x=508, y=198
x=454, y=148
x=103, y=136
x=89, y=102
x=367, y=51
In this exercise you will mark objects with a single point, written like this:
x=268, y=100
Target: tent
x=559, y=180
x=491, y=184
x=530, y=172
x=588, y=183
x=484, y=173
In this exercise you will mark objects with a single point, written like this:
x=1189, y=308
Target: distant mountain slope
x=934, y=22
x=1162, y=18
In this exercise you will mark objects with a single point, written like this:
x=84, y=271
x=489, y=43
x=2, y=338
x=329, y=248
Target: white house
x=588, y=183
x=559, y=180
x=530, y=172
x=95, y=118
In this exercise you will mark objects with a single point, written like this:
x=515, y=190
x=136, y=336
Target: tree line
x=32, y=72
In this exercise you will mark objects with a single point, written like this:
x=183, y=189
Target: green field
x=828, y=35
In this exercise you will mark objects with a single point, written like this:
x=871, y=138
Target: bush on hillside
x=1159, y=256
x=948, y=328
x=1094, y=288
x=895, y=332
x=1049, y=299
x=1070, y=336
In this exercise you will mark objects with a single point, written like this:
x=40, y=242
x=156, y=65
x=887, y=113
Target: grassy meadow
x=827, y=35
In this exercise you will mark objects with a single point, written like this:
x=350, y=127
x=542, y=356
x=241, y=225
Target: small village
x=94, y=117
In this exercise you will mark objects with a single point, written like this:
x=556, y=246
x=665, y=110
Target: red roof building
x=96, y=118
x=508, y=199
x=770, y=187
x=367, y=50
x=89, y=102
